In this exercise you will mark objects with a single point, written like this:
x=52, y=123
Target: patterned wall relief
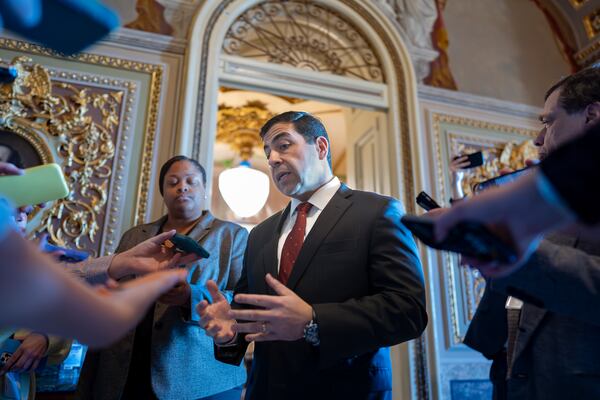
x=304, y=35
x=135, y=77
x=76, y=122
x=503, y=146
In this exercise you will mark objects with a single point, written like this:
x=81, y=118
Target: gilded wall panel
x=503, y=146
x=98, y=121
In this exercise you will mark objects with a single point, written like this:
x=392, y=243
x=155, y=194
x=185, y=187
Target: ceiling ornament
x=304, y=35
x=239, y=127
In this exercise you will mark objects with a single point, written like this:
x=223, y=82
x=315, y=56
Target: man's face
x=183, y=190
x=558, y=126
x=297, y=167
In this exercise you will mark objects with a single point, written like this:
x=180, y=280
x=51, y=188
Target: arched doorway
x=370, y=70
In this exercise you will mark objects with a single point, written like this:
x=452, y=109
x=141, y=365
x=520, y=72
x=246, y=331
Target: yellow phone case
x=38, y=185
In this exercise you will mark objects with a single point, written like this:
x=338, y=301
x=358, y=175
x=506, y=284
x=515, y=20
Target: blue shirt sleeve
x=7, y=221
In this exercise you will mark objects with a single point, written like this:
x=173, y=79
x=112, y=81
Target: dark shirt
x=139, y=378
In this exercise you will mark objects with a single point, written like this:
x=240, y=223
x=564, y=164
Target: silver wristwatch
x=311, y=331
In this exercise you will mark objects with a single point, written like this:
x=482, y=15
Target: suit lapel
x=531, y=317
x=203, y=227
x=330, y=215
x=270, y=261
x=151, y=229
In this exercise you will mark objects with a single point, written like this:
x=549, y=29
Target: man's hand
x=458, y=164
x=178, y=296
x=28, y=355
x=491, y=269
x=282, y=317
x=148, y=256
x=214, y=318
x=515, y=212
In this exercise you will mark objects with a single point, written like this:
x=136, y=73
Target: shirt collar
x=321, y=197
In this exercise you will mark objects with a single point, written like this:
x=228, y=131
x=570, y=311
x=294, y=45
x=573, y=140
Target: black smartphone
x=469, y=238
x=186, y=244
x=499, y=180
x=475, y=159
x=426, y=201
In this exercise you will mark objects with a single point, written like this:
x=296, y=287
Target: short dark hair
x=304, y=123
x=579, y=90
x=166, y=166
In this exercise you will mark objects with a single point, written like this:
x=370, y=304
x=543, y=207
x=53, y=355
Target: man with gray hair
x=545, y=342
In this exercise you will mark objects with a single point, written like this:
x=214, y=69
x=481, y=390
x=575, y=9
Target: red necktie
x=293, y=243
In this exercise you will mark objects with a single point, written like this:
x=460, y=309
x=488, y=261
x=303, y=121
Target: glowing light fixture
x=244, y=189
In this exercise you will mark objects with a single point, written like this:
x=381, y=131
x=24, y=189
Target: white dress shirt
x=319, y=200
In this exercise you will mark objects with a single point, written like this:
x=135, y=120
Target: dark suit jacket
x=359, y=269
x=574, y=172
x=558, y=341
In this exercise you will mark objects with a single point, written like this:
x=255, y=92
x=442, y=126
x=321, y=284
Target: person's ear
x=592, y=113
x=322, y=147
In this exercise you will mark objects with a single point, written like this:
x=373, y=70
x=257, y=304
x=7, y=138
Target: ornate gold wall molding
x=81, y=123
x=494, y=139
x=156, y=76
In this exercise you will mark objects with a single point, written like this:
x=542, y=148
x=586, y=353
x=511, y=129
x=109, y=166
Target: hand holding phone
x=37, y=185
x=472, y=160
x=469, y=238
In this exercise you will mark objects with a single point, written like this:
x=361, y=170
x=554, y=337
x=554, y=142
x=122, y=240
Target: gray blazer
x=183, y=365
x=558, y=341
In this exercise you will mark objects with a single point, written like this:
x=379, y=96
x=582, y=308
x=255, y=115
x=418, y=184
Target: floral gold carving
x=154, y=70
x=304, y=35
x=510, y=155
x=80, y=125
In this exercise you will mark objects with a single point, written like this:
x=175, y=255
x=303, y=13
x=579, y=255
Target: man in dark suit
x=349, y=281
x=550, y=324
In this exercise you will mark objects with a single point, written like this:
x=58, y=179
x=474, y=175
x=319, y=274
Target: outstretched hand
x=511, y=217
x=214, y=317
x=148, y=256
x=281, y=317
